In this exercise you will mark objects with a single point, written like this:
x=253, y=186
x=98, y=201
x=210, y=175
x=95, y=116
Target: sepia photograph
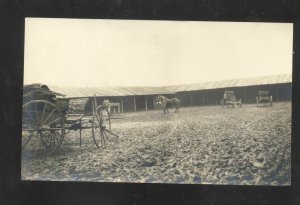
x=144, y=101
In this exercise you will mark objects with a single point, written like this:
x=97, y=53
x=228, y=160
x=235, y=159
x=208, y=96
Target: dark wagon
x=264, y=98
x=229, y=99
x=47, y=116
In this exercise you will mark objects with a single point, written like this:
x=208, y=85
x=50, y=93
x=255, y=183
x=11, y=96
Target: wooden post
x=216, y=99
x=191, y=99
x=245, y=96
x=122, y=106
x=278, y=93
x=80, y=133
x=146, y=103
x=134, y=104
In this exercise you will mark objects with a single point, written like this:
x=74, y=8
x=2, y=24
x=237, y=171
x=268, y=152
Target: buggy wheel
x=52, y=139
x=29, y=142
x=42, y=119
x=101, y=126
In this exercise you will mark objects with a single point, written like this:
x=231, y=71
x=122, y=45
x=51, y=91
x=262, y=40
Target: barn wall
x=280, y=92
x=128, y=102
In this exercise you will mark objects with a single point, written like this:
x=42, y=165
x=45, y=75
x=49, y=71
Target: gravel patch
x=207, y=145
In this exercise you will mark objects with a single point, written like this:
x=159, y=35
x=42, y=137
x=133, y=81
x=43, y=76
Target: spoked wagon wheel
x=42, y=119
x=101, y=128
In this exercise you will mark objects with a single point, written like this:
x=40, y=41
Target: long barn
x=280, y=87
x=128, y=99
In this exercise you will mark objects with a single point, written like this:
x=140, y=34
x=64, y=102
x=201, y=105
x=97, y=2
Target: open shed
x=128, y=99
x=124, y=99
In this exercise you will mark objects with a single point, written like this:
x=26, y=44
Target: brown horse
x=166, y=103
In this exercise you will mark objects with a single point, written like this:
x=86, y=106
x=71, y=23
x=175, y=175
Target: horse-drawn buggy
x=48, y=116
x=229, y=99
x=264, y=97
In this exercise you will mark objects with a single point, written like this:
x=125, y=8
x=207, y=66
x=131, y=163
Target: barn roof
x=78, y=92
x=264, y=80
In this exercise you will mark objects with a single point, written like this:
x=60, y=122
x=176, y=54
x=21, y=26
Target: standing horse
x=166, y=103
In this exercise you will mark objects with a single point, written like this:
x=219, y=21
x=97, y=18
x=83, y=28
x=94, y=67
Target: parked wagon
x=229, y=99
x=264, y=98
x=49, y=119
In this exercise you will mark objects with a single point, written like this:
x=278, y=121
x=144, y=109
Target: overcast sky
x=73, y=52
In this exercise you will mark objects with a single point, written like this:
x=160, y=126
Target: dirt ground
x=208, y=145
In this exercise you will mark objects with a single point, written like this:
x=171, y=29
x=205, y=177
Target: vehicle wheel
x=101, y=126
x=42, y=119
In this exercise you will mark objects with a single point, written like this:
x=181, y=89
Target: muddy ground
x=209, y=145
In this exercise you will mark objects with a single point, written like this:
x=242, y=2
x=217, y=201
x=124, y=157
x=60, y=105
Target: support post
x=245, y=96
x=216, y=99
x=122, y=106
x=134, y=104
x=80, y=133
x=191, y=100
x=146, y=103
